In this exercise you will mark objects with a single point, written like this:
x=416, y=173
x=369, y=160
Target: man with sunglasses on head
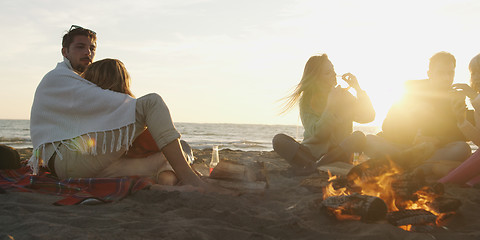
x=80, y=130
x=78, y=47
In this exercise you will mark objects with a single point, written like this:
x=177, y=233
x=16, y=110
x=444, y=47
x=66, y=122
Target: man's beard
x=79, y=68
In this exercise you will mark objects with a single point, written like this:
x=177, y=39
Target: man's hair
x=79, y=31
x=442, y=57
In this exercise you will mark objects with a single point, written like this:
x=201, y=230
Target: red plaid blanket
x=75, y=190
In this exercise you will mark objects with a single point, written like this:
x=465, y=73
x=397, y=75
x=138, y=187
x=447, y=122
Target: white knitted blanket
x=67, y=106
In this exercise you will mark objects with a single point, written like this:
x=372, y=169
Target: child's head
x=109, y=74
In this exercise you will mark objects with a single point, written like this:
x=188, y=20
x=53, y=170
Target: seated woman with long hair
x=327, y=112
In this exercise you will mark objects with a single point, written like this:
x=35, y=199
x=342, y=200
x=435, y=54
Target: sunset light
x=228, y=119
x=215, y=65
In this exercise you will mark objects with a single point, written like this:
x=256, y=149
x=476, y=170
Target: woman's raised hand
x=351, y=80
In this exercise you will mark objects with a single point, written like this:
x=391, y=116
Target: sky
x=230, y=61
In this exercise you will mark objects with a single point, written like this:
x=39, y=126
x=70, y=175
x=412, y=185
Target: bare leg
x=174, y=153
x=152, y=111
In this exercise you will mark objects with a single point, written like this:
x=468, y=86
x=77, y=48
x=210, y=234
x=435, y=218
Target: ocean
x=246, y=137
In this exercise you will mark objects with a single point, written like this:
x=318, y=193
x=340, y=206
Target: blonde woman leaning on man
x=82, y=128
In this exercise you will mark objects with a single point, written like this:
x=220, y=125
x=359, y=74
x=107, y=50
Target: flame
x=340, y=215
x=406, y=227
x=423, y=201
x=330, y=191
x=381, y=186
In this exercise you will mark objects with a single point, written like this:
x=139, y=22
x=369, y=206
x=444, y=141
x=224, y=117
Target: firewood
x=340, y=169
x=315, y=183
x=445, y=204
x=411, y=217
x=371, y=169
x=405, y=160
x=368, y=208
x=230, y=170
x=405, y=186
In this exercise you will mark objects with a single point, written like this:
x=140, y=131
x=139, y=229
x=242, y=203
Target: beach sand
x=285, y=210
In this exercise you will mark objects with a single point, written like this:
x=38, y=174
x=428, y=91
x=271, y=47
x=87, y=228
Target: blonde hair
x=109, y=74
x=306, y=87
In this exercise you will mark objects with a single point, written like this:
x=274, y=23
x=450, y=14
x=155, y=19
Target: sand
x=285, y=210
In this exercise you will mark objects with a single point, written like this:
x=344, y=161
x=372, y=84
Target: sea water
x=15, y=133
x=246, y=137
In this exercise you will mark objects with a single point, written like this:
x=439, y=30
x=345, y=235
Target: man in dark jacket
x=425, y=116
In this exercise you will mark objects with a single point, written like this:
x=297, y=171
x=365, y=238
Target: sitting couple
x=430, y=119
x=84, y=118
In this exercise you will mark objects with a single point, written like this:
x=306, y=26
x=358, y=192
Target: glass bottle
x=215, y=159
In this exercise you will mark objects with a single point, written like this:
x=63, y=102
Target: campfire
x=380, y=189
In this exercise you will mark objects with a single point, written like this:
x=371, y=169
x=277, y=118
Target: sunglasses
x=73, y=27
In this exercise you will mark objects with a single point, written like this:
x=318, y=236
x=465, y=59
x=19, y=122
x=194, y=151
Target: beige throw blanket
x=68, y=107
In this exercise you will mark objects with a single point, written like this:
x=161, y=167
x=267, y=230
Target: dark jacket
x=423, y=109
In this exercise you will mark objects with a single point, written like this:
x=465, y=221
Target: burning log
x=357, y=206
x=370, y=169
x=405, y=186
x=444, y=204
x=411, y=217
x=396, y=185
x=405, y=160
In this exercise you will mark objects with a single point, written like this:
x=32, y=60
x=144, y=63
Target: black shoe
x=187, y=150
